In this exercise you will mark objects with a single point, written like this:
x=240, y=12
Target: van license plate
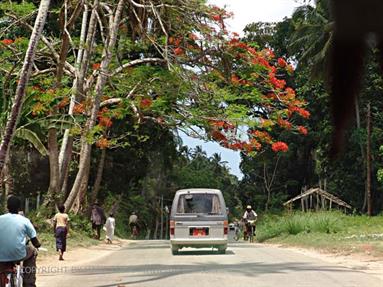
x=199, y=231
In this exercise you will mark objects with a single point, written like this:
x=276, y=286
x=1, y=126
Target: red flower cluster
x=237, y=145
x=301, y=111
x=102, y=143
x=78, y=109
x=104, y=118
x=282, y=63
x=284, y=124
x=7, y=41
x=96, y=66
x=302, y=130
x=234, y=79
x=256, y=144
x=278, y=84
x=262, y=136
x=178, y=51
x=279, y=146
x=146, y=103
x=63, y=103
x=290, y=93
x=218, y=136
x=222, y=125
x=217, y=17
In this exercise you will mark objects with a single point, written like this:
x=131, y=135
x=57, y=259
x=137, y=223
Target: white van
x=198, y=219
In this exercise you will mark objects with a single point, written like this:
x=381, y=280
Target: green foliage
x=21, y=10
x=33, y=138
x=272, y=226
x=81, y=223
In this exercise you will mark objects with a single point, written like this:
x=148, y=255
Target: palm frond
x=32, y=137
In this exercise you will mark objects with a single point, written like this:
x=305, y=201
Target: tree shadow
x=157, y=272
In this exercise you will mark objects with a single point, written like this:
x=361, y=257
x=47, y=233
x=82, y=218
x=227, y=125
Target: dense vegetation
x=101, y=115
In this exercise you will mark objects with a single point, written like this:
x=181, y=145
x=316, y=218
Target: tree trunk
x=268, y=199
x=101, y=80
x=155, y=235
x=64, y=169
x=368, y=169
x=97, y=182
x=66, y=26
x=362, y=151
x=8, y=179
x=77, y=207
x=67, y=142
x=6, y=183
x=51, y=197
x=84, y=158
x=23, y=81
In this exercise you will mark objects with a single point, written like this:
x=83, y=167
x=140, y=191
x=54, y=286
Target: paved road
x=150, y=263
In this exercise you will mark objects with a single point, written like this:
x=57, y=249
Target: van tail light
x=172, y=225
x=225, y=227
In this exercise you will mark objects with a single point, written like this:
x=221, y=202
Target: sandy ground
x=49, y=265
x=364, y=263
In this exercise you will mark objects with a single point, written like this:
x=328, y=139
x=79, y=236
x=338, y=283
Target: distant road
x=150, y=263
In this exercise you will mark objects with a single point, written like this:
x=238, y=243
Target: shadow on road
x=148, y=273
x=183, y=252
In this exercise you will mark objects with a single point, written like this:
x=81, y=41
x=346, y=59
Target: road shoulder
x=358, y=262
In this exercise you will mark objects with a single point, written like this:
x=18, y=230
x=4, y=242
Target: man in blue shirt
x=15, y=229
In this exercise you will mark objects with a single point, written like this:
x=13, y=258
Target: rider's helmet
x=248, y=208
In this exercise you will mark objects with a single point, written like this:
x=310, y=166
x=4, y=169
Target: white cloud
x=249, y=11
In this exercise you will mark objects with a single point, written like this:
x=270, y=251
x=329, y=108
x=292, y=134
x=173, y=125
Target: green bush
x=295, y=225
x=81, y=223
x=325, y=223
x=271, y=226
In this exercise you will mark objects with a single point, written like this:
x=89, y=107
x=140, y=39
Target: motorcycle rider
x=15, y=229
x=250, y=216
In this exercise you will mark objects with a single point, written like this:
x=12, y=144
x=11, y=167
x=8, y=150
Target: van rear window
x=199, y=203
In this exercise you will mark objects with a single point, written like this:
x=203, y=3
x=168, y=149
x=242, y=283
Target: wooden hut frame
x=316, y=199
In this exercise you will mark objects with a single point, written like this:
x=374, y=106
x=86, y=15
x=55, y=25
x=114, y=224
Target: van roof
x=198, y=190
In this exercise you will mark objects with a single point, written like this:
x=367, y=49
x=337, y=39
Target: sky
x=245, y=12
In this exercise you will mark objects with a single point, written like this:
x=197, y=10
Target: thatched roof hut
x=317, y=199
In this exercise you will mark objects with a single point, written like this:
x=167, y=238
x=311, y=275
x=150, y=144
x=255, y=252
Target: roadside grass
x=328, y=231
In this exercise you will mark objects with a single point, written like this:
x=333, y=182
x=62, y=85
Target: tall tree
x=23, y=81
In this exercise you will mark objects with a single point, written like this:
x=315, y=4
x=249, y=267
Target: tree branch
x=137, y=62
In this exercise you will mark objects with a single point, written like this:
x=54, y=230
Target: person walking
x=61, y=229
x=98, y=219
x=110, y=226
x=133, y=219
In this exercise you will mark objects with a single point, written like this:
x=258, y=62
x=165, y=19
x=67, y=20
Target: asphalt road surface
x=150, y=263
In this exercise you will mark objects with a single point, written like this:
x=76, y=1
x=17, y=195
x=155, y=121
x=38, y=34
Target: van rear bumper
x=199, y=241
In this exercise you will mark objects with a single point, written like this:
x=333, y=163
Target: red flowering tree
x=183, y=70
x=242, y=90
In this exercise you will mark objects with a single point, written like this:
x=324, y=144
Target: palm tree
x=312, y=37
x=216, y=160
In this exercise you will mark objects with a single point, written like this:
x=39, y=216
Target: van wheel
x=174, y=250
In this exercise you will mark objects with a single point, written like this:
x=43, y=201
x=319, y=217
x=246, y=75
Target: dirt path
x=49, y=265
